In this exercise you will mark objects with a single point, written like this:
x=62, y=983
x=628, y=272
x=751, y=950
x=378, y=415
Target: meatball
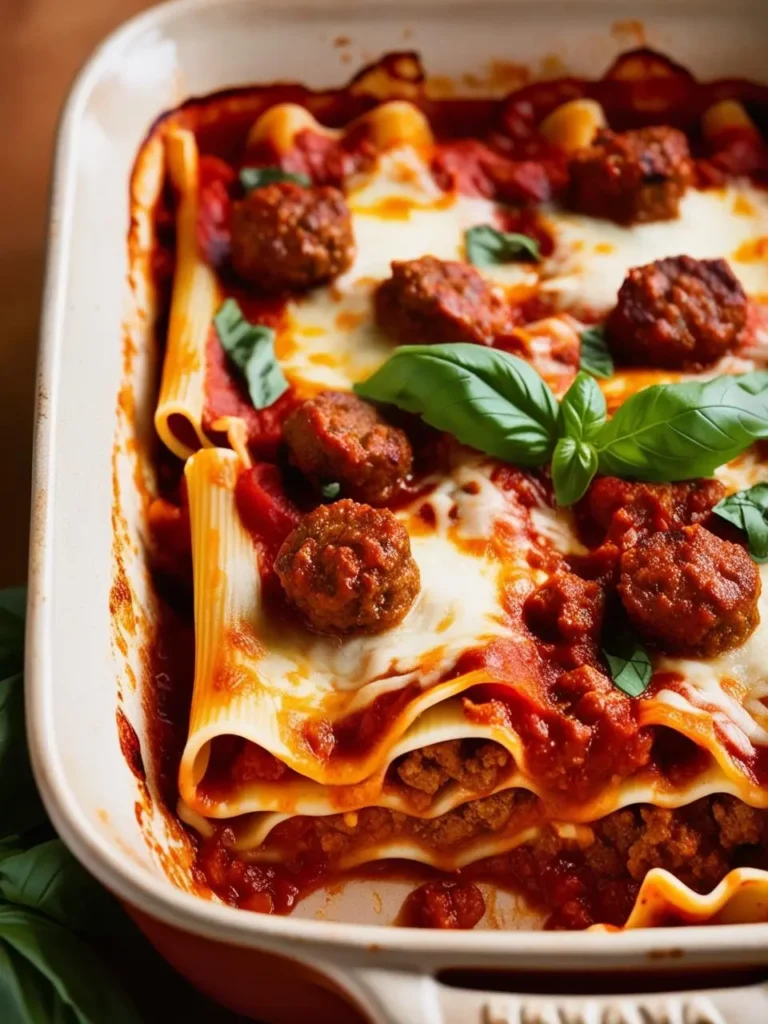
x=622, y=512
x=689, y=592
x=678, y=313
x=286, y=236
x=631, y=177
x=348, y=568
x=567, y=612
x=337, y=437
x=445, y=904
x=430, y=300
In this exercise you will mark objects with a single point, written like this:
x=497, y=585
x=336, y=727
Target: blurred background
x=43, y=43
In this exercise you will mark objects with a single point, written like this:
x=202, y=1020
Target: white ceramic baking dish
x=91, y=610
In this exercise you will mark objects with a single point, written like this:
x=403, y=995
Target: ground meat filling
x=475, y=765
x=429, y=301
x=447, y=904
x=678, y=313
x=631, y=177
x=288, y=237
x=336, y=437
x=348, y=568
x=690, y=593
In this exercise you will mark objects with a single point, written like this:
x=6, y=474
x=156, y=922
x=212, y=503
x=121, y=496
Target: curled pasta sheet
x=195, y=298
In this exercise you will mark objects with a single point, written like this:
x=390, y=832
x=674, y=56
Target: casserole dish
x=88, y=524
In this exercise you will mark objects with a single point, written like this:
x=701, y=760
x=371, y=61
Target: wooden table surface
x=42, y=45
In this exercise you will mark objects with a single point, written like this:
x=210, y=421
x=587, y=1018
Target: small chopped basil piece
x=595, y=356
x=748, y=511
x=487, y=246
x=628, y=661
x=331, y=491
x=258, y=177
x=251, y=349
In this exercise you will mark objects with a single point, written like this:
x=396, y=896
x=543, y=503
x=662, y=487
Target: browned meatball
x=336, y=437
x=625, y=511
x=567, y=613
x=348, y=568
x=690, y=593
x=286, y=236
x=445, y=904
x=679, y=313
x=429, y=301
x=631, y=177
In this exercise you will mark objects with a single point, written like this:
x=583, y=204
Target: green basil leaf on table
x=258, y=177
x=47, y=878
x=251, y=348
x=574, y=464
x=673, y=432
x=79, y=980
x=628, y=661
x=25, y=996
x=748, y=511
x=486, y=246
x=20, y=806
x=486, y=398
x=595, y=357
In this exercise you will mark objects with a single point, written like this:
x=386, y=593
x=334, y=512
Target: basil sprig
x=497, y=403
x=486, y=246
x=595, y=356
x=748, y=511
x=628, y=660
x=486, y=398
x=251, y=348
x=258, y=177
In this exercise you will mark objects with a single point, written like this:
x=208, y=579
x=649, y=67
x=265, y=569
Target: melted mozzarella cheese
x=398, y=213
x=592, y=256
x=458, y=605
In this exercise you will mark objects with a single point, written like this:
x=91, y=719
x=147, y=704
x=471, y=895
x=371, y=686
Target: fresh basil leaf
x=574, y=464
x=47, y=878
x=754, y=383
x=79, y=979
x=20, y=806
x=26, y=997
x=595, y=356
x=678, y=431
x=487, y=399
x=331, y=491
x=258, y=177
x=487, y=246
x=251, y=348
x=748, y=511
x=628, y=661
x=582, y=409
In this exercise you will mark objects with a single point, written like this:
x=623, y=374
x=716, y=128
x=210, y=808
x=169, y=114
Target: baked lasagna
x=461, y=482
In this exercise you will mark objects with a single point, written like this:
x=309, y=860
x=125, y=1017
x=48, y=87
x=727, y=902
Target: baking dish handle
x=399, y=997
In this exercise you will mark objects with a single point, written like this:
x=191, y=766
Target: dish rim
x=157, y=897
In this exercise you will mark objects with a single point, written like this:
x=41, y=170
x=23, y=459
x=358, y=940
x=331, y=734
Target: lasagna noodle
x=194, y=300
